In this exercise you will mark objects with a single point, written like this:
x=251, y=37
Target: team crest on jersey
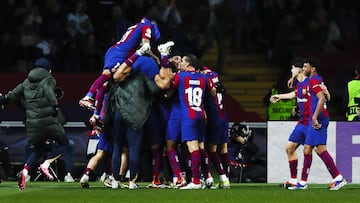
x=148, y=32
x=303, y=91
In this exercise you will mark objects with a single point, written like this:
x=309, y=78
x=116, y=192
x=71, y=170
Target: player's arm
x=211, y=87
x=174, y=84
x=146, y=36
x=317, y=89
x=326, y=92
x=320, y=104
x=162, y=83
x=121, y=72
x=239, y=139
x=277, y=97
x=294, y=72
x=290, y=82
x=163, y=78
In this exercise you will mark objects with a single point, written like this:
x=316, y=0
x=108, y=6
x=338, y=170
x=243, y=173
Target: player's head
x=175, y=61
x=296, y=66
x=313, y=62
x=297, y=62
x=311, y=66
x=193, y=61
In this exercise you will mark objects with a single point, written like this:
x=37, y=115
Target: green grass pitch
x=53, y=192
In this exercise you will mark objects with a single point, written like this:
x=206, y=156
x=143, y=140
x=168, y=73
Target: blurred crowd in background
x=74, y=34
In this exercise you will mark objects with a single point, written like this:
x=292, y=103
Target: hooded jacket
x=37, y=93
x=132, y=99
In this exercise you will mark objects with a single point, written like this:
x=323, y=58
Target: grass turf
x=53, y=192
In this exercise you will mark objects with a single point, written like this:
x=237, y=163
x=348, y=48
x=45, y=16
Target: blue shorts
x=164, y=114
x=173, y=130
x=113, y=56
x=192, y=130
x=153, y=130
x=317, y=137
x=298, y=135
x=104, y=144
x=217, y=133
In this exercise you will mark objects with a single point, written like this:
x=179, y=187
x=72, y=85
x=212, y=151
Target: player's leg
x=293, y=163
x=35, y=153
x=206, y=165
x=134, y=138
x=193, y=147
x=302, y=184
x=172, y=136
x=88, y=100
x=338, y=180
x=118, y=137
x=68, y=158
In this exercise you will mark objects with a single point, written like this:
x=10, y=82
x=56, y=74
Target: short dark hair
x=298, y=62
x=314, y=62
x=194, y=61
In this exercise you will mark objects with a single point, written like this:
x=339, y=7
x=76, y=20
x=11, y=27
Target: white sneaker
x=103, y=177
x=115, y=184
x=298, y=186
x=108, y=181
x=180, y=183
x=68, y=178
x=144, y=49
x=133, y=185
x=209, y=182
x=84, y=181
x=337, y=185
x=93, y=119
x=87, y=102
x=191, y=186
x=165, y=48
x=225, y=184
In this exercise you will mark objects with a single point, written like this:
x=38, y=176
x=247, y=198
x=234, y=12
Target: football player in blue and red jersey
x=298, y=135
x=217, y=126
x=125, y=50
x=317, y=131
x=173, y=132
x=191, y=86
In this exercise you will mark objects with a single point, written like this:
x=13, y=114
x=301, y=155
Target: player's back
x=215, y=103
x=192, y=86
x=131, y=39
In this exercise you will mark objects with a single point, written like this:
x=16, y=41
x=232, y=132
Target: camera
x=238, y=129
x=59, y=93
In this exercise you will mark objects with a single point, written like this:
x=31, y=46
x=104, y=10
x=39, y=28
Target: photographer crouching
x=243, y=168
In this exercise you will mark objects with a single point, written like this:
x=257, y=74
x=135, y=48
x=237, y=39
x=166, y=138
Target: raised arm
x=277, y=97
